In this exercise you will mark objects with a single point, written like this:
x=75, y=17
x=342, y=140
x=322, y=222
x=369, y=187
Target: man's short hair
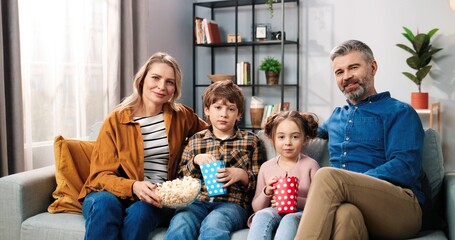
x=350, y=46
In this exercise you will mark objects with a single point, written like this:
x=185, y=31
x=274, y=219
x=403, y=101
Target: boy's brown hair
x=224, y=90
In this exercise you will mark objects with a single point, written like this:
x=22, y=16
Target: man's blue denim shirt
x=379, y=136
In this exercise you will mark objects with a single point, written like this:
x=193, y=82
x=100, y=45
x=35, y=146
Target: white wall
x=327, y=23
x=170, y=30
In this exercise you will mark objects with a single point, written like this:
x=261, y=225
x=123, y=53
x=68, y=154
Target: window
x=69, y=61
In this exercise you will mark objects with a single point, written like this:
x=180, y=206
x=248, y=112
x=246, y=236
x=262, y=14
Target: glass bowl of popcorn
x=179, y=192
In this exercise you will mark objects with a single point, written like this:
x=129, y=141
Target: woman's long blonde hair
x=135, y=99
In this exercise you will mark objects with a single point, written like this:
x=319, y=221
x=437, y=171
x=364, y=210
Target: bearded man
x=373, y=187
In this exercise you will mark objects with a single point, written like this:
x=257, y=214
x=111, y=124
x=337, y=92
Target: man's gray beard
x=359, y=93
x=355, y=95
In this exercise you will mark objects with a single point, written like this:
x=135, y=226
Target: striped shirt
x=156, y=148
x=243, y=150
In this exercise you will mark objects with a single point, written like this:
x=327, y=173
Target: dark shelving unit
x=253, y=46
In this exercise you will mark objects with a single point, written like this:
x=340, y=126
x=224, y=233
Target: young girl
x=289, y=131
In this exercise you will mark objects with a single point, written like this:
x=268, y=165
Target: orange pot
x=419, y=100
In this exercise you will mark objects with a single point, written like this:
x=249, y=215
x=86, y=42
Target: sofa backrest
x=315, y=148
x=432, y=159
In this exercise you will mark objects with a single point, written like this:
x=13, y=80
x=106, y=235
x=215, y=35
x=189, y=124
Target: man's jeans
x=208, y=220
x=267, y=220
x=108, y=217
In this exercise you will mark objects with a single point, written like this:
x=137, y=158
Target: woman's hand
x=232, y=175
x=145, y=191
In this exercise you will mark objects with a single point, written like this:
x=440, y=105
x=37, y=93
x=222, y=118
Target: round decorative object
x=219, y=77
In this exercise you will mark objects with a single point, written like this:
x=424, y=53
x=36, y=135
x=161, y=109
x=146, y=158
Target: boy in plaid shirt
x=242, y=152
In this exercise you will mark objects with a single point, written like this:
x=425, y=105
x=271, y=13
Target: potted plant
x=269, y=4
x=422, y=52
x=272, y=68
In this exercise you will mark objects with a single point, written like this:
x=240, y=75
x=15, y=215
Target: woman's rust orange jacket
x=117, y=159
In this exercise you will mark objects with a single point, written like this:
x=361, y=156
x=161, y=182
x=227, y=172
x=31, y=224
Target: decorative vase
x=272, y=77
x=256, y=111
x=419, y=100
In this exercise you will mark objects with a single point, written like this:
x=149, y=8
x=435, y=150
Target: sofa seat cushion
x=240, y=234
x=72, y=167
x=65, y=226
x=429, y=235
x=53, y=226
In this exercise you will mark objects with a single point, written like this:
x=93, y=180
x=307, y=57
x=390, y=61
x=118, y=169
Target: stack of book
x=271, y=109
x=243, y=73
x=206, y=31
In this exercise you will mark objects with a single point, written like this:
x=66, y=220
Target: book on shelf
x=271, y=109
x=213, y=32
x=243, y=73
x=206, y=31
x=198, y=31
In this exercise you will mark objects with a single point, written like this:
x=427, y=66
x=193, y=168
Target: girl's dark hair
x=307, y=122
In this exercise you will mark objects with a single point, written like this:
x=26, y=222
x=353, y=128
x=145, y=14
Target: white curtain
x=70, y=70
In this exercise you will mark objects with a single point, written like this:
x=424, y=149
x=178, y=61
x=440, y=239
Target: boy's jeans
x=108, y=217
x=208, y=220
x=266, y=220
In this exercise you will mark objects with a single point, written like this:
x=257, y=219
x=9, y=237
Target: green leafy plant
x=269, y=5
x=270, y=64
x=421, y=51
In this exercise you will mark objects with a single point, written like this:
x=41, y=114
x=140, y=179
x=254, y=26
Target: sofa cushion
x=53, y=226
x=72, y=167
x=433, y=161
x=317, y=149
x=433, y=166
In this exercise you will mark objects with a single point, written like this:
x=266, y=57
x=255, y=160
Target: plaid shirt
x=243, y=150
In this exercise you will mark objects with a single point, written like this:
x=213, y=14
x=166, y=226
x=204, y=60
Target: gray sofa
x=25, y=197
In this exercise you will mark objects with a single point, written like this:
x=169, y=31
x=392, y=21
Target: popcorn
x=178, y=192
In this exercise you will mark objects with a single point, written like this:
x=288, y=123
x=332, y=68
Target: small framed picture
x=261, y=32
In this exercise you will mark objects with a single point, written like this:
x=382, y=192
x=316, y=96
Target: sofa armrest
x=449, y=180
x=23, y=195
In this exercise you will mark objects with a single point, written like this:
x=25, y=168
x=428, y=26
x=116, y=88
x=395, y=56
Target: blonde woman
x=139, y=145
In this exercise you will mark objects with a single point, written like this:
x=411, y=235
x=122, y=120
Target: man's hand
x=145, y=191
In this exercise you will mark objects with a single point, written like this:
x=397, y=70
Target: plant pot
x=272, y=77
x=419, y=100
